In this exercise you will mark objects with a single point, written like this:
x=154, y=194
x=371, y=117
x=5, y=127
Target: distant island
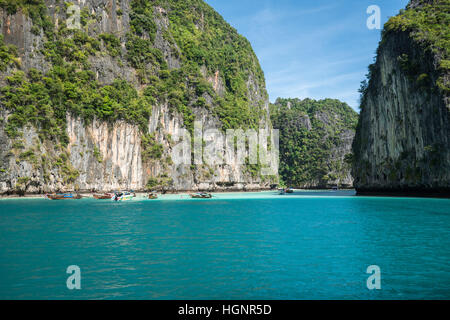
x=315, y=142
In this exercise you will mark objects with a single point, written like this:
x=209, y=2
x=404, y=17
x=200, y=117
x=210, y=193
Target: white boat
x=123, y=196
x=201, y=195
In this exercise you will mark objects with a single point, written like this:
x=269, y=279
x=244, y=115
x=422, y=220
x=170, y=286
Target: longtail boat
x=63, y=196
x=103, y=196
x=202, y=195
x=289, y=190
x=152, y=195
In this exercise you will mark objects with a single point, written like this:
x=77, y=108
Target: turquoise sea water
x=310, y=245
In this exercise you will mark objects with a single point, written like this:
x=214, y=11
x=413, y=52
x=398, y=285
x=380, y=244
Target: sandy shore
x=86, y=194
x=138, y=193
x=225, y=195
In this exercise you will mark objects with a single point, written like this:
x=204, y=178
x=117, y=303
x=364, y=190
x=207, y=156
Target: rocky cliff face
x=403, y=136
x=97, y=107
x=315, y=142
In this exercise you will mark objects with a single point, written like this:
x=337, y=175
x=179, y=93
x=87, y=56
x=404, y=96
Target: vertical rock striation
x=402, y=143
x=97, y=107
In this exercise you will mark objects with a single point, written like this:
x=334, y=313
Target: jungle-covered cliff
x=402, y=142
x=94, y=102
x=315, y=142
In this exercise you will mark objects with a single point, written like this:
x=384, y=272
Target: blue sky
x=315, y=49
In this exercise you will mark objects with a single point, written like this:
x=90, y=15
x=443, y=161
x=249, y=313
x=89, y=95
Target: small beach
x=266, y=194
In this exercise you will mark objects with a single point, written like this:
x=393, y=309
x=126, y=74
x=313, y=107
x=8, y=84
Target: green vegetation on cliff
x=8, y=55
x=125, y=59
x=428, y=24
x=205, y=39
x=310, y=134
x=69, y=86
x=198, y=35
x=401, y=141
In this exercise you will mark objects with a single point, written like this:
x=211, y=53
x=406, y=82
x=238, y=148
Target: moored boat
x=289, y=190
x=152, y=195
x=201, y=195
x=103, y=196
x=123, y=196
x=63, y=196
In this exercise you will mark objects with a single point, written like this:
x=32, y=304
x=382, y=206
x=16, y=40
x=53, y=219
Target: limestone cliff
x=93, y=92
x=402, y=143
x=315, y=142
